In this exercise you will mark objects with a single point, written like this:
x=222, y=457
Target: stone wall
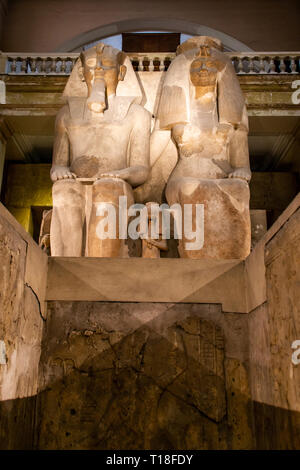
x=23, y=268
x=73, y=22
x=144, y=376
x=273, y=327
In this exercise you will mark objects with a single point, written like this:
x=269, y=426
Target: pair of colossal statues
x=103, y=137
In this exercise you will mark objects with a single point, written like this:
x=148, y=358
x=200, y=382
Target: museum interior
x=144, y=343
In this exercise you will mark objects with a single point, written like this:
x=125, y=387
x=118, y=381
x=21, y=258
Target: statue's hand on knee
x=134, y=175
x=61, y=172
x=242, y=173
x=113, y=174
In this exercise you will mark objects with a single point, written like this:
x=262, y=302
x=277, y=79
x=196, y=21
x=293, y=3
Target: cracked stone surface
x=21, y=331
x=134, y=376
x=149, y=376
x=273, y=327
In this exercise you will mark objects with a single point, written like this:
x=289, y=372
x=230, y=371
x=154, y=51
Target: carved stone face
x=101, y=69
x=203, y=72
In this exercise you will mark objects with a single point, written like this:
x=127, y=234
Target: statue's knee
x=237, y=188
x=111, y=189
x=67, y=193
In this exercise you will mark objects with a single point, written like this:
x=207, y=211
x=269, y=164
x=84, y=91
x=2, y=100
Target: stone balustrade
x=37, y=64
x=151, y=62
x=54, y=64
x=265, y=62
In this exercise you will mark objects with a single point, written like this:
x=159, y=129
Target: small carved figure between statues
x=151, y=247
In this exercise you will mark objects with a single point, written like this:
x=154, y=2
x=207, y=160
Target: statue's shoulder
x=63, y=114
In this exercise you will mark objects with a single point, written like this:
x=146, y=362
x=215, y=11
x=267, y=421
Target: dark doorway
x=150, y=42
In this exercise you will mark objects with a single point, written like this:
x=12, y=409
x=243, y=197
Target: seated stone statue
x=101, y=134
x=203, y=107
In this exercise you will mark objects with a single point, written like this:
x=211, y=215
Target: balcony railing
x=62, y=64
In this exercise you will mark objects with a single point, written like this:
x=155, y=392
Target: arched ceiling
x=153, y=24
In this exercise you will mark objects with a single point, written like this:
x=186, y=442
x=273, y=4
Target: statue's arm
x=139, y=147
x=234, y=122
x=239, y=150
x=61, y=158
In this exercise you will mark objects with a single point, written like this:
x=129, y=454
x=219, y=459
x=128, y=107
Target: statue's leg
x=105, y=211
x=226, y=227
x=67, y=218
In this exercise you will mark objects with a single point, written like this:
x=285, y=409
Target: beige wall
x=51, y=25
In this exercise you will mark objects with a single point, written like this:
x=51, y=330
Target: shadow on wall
x=18, y=420
x=142, y=376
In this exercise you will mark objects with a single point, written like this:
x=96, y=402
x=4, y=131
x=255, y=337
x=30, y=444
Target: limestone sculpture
x=101, y=138
x=203, y=109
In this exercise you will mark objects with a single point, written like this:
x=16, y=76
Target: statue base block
x=147, y=280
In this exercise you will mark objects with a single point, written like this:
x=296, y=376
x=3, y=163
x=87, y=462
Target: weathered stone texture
x=275, y=380
x=119, y=375
x=134, y=376
x=21, y=331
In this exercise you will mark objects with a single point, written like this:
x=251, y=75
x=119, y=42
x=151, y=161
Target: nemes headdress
x=129, y=87
x=174, y=106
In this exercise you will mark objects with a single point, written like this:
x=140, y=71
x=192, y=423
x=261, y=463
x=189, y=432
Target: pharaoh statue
x=101, y=151
x=203, y=110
